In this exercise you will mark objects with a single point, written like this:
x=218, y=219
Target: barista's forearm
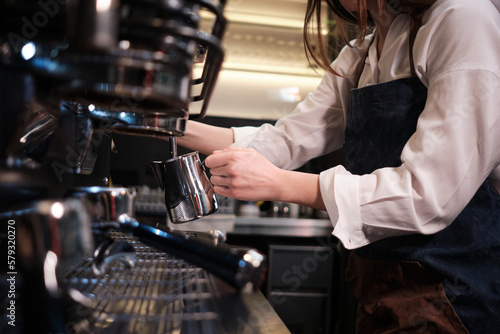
x=206, y=138
x=300, y=188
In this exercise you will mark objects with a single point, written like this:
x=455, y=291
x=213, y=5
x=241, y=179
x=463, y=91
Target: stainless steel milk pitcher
x=189, y=195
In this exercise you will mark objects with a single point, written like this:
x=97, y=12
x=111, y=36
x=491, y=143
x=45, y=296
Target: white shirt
x=456, y=145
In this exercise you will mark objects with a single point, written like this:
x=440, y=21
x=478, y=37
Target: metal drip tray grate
x=160, y=294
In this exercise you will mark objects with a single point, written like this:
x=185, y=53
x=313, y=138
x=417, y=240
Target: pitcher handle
x=158, y=172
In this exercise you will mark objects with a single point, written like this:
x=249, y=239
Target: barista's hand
x=243, y=174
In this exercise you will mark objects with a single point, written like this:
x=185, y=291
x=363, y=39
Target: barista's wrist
x=300, y=188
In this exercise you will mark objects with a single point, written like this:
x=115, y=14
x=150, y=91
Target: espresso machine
x=73, y=73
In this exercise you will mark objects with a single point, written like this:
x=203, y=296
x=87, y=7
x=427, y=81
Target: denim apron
x=448, y=282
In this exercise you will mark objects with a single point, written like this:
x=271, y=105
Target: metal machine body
x=72, y=73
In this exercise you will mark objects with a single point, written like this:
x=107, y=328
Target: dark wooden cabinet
x=299, y=286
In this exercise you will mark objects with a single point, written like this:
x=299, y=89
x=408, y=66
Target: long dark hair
x=317, y=49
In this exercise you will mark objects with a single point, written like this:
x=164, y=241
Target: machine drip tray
x=160, y=294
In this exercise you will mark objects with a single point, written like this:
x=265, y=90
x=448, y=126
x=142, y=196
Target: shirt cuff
x=242, y=132
x=340, y=193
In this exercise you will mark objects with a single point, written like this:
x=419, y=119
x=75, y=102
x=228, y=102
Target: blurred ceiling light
x=102, y=5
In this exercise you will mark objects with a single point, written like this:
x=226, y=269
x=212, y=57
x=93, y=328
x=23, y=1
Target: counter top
x=247, y=312
x=268, y=226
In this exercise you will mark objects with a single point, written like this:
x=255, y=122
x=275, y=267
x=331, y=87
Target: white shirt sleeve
x=314, y=128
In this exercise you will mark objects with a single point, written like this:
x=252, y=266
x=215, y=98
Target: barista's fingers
x=218, y=171
x=221, y=181
x=229, y=155
x=234, y=174
x=223, y=191
x=217, y=160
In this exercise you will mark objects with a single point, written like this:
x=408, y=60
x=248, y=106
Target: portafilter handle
x=242, y=268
